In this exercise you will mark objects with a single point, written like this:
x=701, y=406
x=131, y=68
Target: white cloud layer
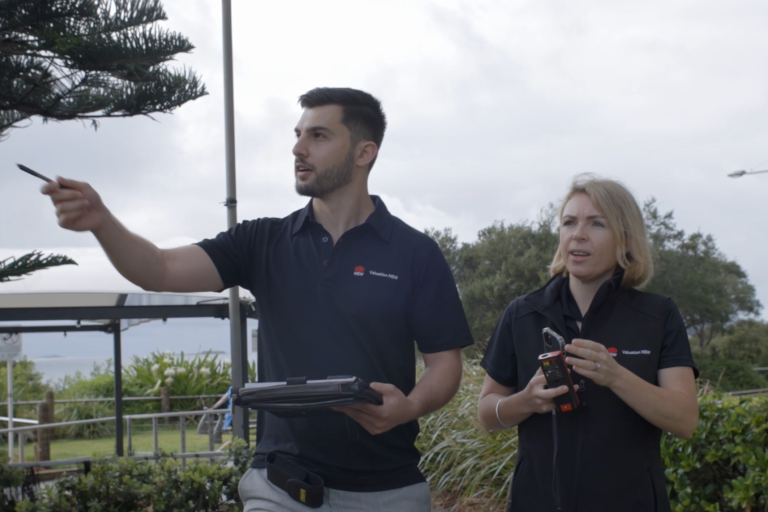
x=493, y=108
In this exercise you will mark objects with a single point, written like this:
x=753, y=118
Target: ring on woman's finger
x=597, y=366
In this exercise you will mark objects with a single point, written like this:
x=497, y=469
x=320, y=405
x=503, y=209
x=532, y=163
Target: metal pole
x=155, y=445
x=118, y=390
x=10, y=410
x=183, y=429
x=240, y=415
x=129, y=433
x=236, y=353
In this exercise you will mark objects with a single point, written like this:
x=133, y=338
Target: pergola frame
x=109, y=318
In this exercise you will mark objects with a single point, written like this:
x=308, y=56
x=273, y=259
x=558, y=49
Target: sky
x=493, y=107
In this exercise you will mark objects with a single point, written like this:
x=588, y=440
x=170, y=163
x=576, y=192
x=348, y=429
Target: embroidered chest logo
x=613, y=351
x=636, y=352
x=359, y=271
x=383, y=274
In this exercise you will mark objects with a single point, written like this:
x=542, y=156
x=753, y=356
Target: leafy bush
x=27, y=385
x=459, y=457
x=746, y=341
x=724, y=466
x=728, y=374
x=77, y=411
x=126, y=484
x=201, y=375
x=10, y=480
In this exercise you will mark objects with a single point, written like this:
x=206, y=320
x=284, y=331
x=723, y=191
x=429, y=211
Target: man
x=342, y=288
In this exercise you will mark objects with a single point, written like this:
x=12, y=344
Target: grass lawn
x=169, y=440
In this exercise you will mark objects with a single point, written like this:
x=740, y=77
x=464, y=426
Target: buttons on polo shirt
x=325, y=239
x=325, y=263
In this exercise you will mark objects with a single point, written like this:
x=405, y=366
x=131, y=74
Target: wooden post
x=50, y=400
x=165, y=402
x=43, y=440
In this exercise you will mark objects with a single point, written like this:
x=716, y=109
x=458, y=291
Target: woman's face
x=586, y=242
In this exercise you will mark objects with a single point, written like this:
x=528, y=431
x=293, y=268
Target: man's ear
x=365, y=153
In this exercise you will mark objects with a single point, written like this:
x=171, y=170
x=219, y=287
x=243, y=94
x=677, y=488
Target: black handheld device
x=556, y=371
x=37, y=174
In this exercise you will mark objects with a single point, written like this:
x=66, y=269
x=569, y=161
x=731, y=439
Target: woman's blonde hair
x=625, y=220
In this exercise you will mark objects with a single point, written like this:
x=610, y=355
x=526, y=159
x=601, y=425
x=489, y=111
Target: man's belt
x=300, y=484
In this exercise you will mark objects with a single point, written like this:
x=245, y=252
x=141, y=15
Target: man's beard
x=328, y=180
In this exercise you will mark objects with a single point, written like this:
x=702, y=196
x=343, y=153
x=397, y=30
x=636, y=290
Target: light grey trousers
x=261, y=495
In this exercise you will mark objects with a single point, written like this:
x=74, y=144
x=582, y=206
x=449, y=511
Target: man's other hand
x=377, y=419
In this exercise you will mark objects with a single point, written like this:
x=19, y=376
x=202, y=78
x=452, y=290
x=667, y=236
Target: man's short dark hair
x=361, y=113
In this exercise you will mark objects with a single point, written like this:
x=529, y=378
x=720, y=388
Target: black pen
x=38, y=175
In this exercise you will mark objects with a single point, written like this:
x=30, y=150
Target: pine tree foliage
x=14, y=268
x=89, y=59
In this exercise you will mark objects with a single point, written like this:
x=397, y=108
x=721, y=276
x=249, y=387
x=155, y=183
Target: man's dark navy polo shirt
x=355, y=308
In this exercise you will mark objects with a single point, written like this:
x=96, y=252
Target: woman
x=629, y=357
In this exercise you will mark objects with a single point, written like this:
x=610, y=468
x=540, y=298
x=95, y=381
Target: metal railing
x=749, y=392
x=111, y=399
x=19, y=420
x=129, y=419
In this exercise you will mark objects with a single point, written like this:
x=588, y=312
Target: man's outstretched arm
x=183, y=269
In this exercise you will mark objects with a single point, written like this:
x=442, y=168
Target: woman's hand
x=596, y=363
x=539, y=397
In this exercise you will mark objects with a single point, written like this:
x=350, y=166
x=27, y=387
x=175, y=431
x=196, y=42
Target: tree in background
x=746, y=340
x=730, y=361
x=89, y=59
x=510, y=260
x=506, y=261
x=85, y=60
x=27, y=385
x=711, y=291
x=14, y=268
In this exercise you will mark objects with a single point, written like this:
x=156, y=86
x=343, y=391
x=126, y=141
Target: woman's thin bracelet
x=498, y=418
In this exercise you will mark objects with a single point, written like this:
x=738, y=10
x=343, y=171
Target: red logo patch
x=359, y=270
x=613, y=351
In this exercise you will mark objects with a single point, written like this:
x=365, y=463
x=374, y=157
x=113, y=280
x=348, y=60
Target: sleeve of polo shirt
x=437, y=316
x=233, y=253
x=500, y=359
x=675, y=348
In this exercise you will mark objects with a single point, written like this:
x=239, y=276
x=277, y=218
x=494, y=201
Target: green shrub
x=201, y=375
x=27, y=385
x=124, y=484
x=728, y=374
x=724, y=466
x=76, y=411
x=100, y=383
x=10, y=479
x=459, y=457
x=746, y=341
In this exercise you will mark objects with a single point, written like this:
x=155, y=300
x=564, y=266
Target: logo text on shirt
x=359, y=271
x=382, y=274
x=636, y=352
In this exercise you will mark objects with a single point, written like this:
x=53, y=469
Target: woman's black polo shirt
x=355, y=308
x=609, y=457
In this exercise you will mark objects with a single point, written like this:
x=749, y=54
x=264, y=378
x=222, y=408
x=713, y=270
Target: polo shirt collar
x=568, y=302
x=380, y=220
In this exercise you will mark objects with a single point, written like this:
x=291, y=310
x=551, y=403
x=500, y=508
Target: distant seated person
x=224, y=422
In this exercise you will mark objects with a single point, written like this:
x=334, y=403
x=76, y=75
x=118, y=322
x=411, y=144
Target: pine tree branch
x=87, y=59
x=12, y=269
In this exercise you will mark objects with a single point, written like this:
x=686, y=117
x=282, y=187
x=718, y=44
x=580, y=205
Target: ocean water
x=56, y=355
